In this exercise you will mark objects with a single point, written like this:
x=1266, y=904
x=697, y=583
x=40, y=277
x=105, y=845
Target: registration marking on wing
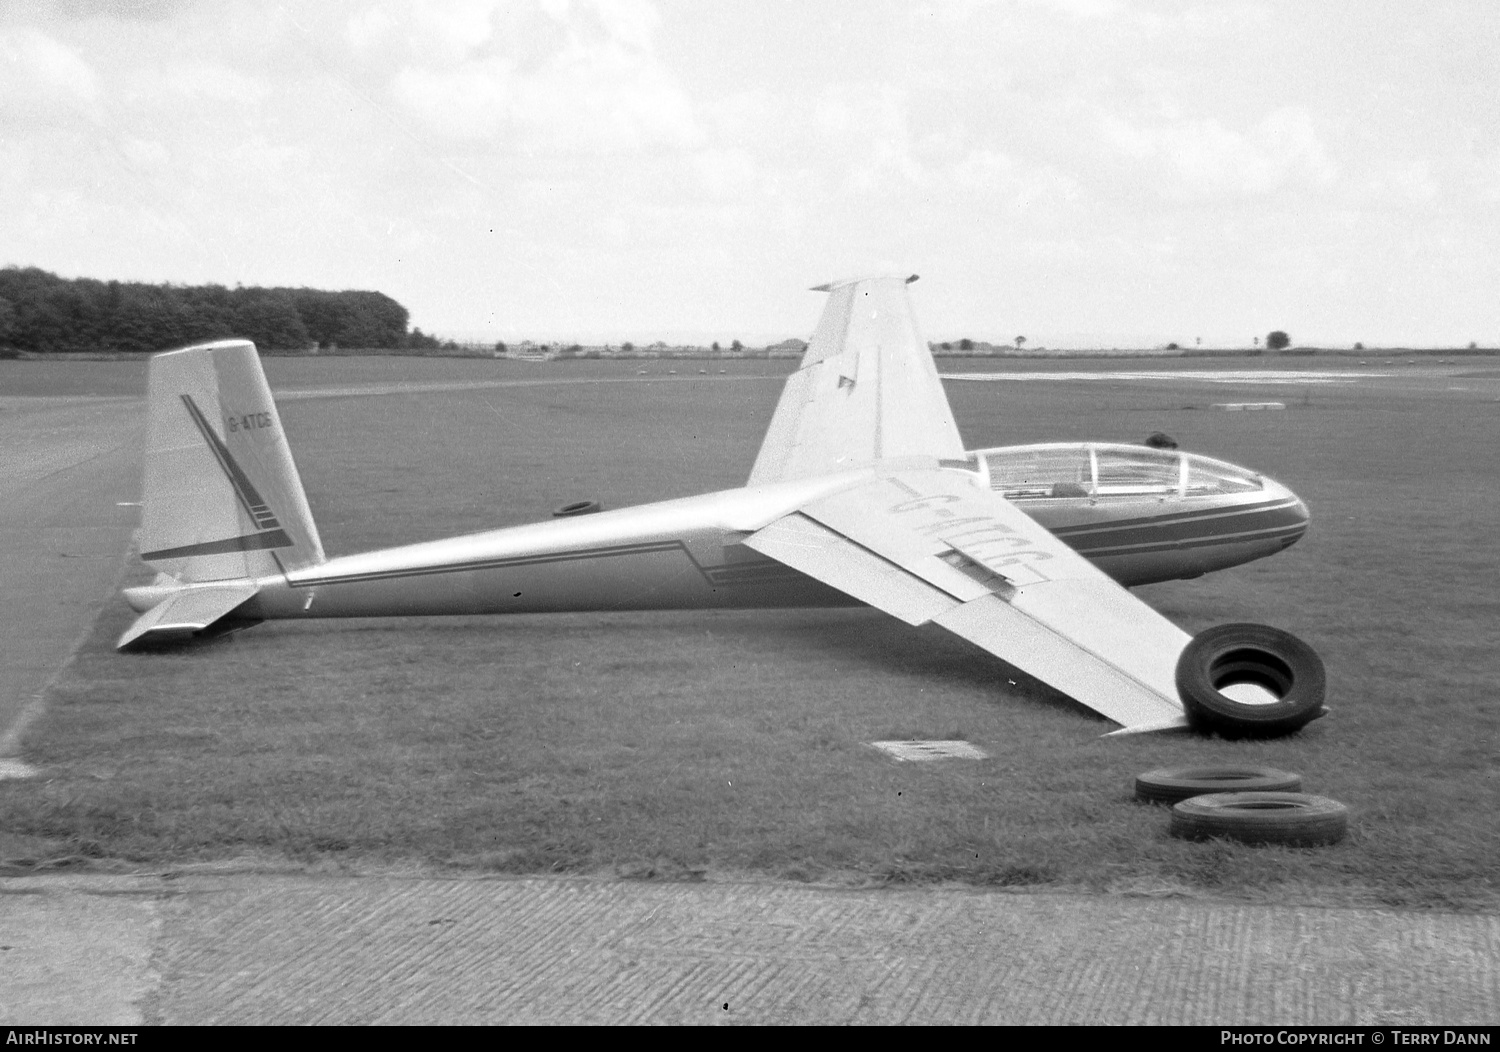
x=946, y=533
x=1019, y=567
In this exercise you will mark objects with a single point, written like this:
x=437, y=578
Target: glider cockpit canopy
x=1098, y=469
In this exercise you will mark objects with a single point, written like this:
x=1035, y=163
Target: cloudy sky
x=1077, y=171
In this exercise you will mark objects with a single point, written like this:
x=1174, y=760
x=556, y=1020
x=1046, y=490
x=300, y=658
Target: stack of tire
x=1254, y=805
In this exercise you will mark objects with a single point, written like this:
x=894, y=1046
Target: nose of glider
x=1296, y=517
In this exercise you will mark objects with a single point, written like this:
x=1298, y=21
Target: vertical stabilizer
x=222, y=497
x=867, y=390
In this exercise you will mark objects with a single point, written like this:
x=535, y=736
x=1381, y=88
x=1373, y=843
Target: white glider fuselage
x=678, y=554
x=687, y=553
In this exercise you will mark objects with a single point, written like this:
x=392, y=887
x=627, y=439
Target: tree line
x=44, y=313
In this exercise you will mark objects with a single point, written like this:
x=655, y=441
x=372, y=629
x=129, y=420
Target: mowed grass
x=735, y=743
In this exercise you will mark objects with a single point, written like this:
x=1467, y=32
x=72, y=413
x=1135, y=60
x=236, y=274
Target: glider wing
x=930, y=545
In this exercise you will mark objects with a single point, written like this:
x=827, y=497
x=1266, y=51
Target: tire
x=1295, y=819
x=1167, y=785
x=578, y=507
x=1255, y=654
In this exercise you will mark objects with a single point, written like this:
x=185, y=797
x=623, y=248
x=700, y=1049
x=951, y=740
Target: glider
x=862, y=492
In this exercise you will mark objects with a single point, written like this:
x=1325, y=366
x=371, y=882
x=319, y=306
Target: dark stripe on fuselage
x=244, y=489
x=499, y=564
x=1184, y=536
x=1284, y=533
x=747, y=572
x=250, y=542
x=1155, y=522
x=1223, y=526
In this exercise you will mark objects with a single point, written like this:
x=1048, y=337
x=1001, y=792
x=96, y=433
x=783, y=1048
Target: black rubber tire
x=1167, y=785
x=578, y=507
x=1296, y=819
x=1249, y=653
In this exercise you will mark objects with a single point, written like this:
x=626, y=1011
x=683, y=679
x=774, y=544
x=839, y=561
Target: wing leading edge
x=867, y=390
x=929, y=545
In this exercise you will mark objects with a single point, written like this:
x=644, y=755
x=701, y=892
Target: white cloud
x=40, y=77
x=631, y=22
x=1080, y=8
x=861, y=111
x=867, y=132
x=1004, y=181
x=456, y=27
x=606, y=95
x=369, y=29
x=211, y=82
x=865, y=129
x=441, y=31
x=472, y=101
x=17, y=160
x=1401, y=184
x=727, y=174
x=145, y=153
x=576, y=77
x=961, y=10
x=1489, y=177
x=1201, y=158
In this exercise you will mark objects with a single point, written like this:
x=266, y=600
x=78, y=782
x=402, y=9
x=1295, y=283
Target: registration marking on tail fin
x=271, y=534
x=244, y=489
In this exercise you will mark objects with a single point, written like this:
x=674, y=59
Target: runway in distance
x=862, y=492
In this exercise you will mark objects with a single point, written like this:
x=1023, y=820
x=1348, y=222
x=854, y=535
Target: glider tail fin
x=222, y=498
x=867, y=390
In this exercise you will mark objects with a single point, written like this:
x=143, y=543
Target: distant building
x=533, y=352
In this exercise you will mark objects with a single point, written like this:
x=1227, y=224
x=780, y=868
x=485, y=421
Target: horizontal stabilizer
x=187, y=613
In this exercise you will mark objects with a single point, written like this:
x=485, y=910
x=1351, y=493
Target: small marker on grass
x=931, y=750
x=13, y=768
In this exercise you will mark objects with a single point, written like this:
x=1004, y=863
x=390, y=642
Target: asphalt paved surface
x=278, y=948
x=68, y=469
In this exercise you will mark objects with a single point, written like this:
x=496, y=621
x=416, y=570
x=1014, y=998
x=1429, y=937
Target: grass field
x=734, y=743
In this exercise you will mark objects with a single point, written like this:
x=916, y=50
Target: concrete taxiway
x=306, y=949
x=257, y=947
